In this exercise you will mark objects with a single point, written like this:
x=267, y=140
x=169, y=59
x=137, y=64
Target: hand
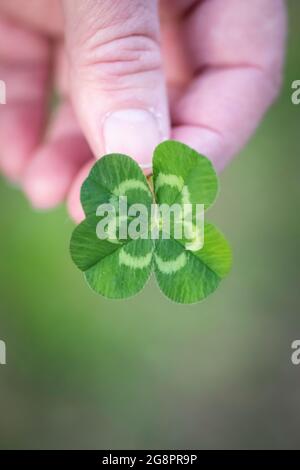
x=206, y=79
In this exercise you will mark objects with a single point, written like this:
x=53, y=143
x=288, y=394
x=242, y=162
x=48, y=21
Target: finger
x=40, y=15
x=55, y=164
x=24, y=67
x=237, y=58
x=117, y=82
x=177, y=63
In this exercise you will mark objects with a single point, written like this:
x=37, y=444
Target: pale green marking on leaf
x=203, y=270
x=169, y=180
x=171, y=267
x=111, y=177
x=129, y=185
x=134, y=262
x=192, y=283
x=185, y=195
x=100, y=261
x=187, y=166
x=195, y=235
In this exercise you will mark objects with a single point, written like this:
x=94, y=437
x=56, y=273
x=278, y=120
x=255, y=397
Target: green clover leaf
x=118, y=266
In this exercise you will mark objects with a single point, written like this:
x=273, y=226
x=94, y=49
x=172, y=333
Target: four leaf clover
x=119, y=268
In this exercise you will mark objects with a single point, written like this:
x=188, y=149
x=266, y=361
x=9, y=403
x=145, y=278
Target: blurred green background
x=84, y=372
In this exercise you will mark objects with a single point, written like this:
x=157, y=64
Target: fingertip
x=39, y=188
x=12, y=166
x=46, y=179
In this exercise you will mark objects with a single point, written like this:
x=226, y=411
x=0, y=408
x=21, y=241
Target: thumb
x=117, y=82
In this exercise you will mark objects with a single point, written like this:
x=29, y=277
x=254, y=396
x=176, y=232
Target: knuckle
x=118, y=60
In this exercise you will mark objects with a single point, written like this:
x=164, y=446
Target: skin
x=208, y=70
